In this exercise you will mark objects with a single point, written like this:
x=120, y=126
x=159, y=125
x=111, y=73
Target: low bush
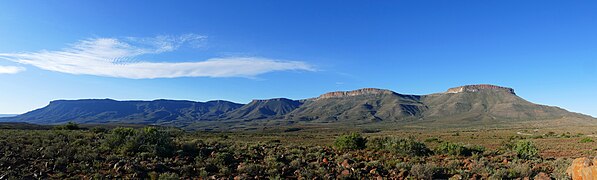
x=406, y=146
x=146, y=140
x=68, y=126
x=350, y=142
x=458, y=149
x=526, y=149
x=423, y=171
x=586, y=140
x=433, y=140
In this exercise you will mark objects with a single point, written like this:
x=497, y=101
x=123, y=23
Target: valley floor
x=410, y=151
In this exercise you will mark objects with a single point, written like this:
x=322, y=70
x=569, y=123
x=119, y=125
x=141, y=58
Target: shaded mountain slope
x=262, y=109
x=142, y=112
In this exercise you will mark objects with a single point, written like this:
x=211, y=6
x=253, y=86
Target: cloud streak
x=111, y=57
x=11, y=69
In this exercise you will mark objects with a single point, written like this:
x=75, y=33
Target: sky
x=244, y=50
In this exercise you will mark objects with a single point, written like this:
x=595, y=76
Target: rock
x=542, y=176
x=345, y=172
x=479, y=87
x=582, y=168
x=403, y=174
x=345, y=164
x=456, y=177
x=505, y=161
x=364, y=91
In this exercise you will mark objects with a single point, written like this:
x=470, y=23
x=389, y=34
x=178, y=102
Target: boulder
x=583, y=168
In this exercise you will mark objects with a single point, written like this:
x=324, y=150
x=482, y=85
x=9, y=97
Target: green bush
x=68, y=126
x=98, y=130
x=406, y=146
x=433, y=139
x=586, y=140
x=148, y=140
x=423, y=171
x=526, y=149
x=458, y=149
x=350, y=142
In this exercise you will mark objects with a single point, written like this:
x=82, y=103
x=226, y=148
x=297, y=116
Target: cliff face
x=479, y=87
x=358, y=92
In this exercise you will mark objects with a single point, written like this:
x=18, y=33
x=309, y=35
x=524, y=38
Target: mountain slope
x=465, y=104
x=262, y=109
x=360, y=106
x=487, y=102
x=142, y=112
x=8, y=115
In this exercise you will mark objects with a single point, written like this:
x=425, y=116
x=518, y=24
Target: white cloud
x=11, y=69
x=113, y=57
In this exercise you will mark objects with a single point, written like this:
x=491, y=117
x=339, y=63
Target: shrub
x=458, y=149
x=293, y=129
x=433, y=139
x=586, y=140
x=68, y=126
x=406, y=146
x=525, y=149
x=98, y=130
x=351, y=141
x=119, y=136
x=370, y=131
x=168, y=176
x=149, y=140
x=423, y=171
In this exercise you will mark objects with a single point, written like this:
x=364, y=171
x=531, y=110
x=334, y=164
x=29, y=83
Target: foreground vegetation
x=161, y=153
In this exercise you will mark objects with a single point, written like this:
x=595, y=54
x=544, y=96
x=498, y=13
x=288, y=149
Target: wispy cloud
x=10, y=69
x=112, y=57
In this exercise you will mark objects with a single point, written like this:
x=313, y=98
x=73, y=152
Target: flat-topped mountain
x=471, y=103
x=140, y=112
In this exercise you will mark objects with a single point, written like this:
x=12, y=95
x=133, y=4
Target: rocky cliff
x=479, y=87
x=358, y=92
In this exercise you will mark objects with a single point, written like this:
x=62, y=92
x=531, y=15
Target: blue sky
x=243, y=50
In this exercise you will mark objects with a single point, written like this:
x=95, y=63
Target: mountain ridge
x=362, y=106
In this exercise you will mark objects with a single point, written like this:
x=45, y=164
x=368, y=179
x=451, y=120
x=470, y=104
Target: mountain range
x=471, y=103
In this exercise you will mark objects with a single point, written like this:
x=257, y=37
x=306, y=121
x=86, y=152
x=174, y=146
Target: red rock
x=345, y=164
x=542, y=176
x=582, y=168
x=505, y=161
x=345, y=172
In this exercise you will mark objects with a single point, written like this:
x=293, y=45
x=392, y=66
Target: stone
x=456, y=177
x=582, y=168
x=345, y=164
x=542, y=176
x=346, y=172
x=479, y=87
x=364, y=91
